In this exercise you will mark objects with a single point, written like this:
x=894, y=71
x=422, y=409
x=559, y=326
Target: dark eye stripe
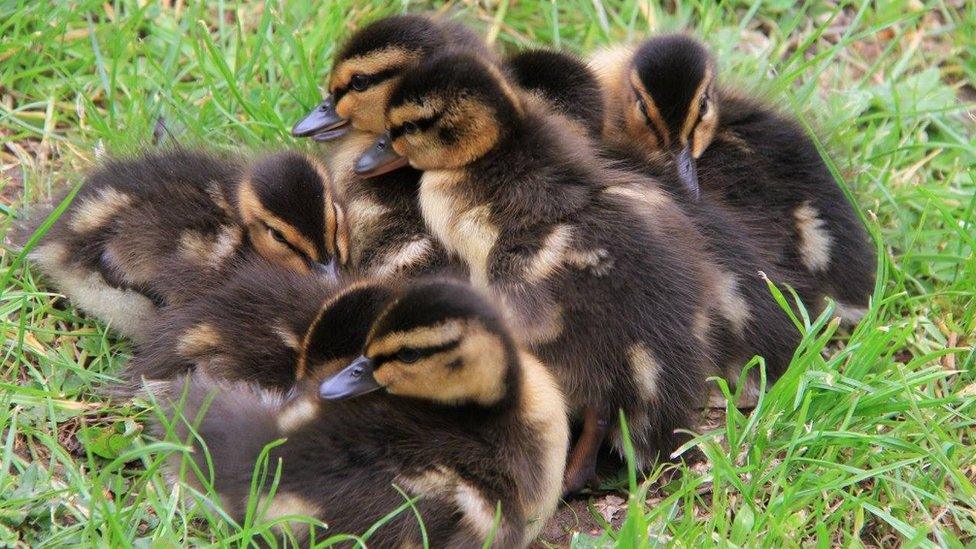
x=423, y=124
x=372, y=79
x=647, y=119
x=422, y=352
x=290, y=246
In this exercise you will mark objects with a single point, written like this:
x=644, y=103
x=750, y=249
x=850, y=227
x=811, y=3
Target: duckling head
x=450, y=111
x=675, y=108
x=365, y=71
x=438, y=341
x=287, y=206
x=339, y=331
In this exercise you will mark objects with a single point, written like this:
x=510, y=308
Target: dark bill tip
x=687, y=172
x=352, y=381
x=322, y=123
x=379, y=159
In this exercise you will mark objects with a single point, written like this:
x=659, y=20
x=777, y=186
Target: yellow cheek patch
x=367, y=112
x=479, y=129
x=428, y=336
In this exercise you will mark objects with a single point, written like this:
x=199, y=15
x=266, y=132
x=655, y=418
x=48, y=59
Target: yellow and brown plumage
x=166, y=227
x=442, y=404
x=759, y=165
x=603, y=274
x=250, y=328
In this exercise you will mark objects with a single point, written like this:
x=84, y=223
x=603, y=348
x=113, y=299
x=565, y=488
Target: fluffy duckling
x=166, y=227
x=369, y=65
x=663, y=96
x=442, y=404
x=251, y=328
x=389, y=237
x=612, y=294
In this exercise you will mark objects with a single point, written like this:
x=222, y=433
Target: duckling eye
x=410, y=127
x=276, y=234
x=359, y=82
x=408, y=356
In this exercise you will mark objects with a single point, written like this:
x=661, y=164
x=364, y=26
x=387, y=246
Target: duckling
x=747, y=321
x=250, y=328
x=442, y=404
x=610, y=293
x=390, y=238
x=166, y=227
x=561, y=82
x=369, y=65
x=663, y=96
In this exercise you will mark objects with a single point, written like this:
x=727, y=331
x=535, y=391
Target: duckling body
x=250, y=328
x=470, y=425
x=388, y=238
x=742, y=155
x=747, y=321
x=564, y=83
x=166, y=227
x=609, y=293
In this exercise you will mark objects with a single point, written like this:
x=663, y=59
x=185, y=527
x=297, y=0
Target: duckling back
x=250, y=328
x=797, y=199
x=111, y=249
x=564, y=82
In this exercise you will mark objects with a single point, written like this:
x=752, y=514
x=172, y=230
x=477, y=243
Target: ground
x=867, y=440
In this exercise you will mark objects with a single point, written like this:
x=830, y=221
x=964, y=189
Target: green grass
x=869, y=439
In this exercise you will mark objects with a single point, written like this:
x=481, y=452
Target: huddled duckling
x=389, y=238
x=663, y=96
x=369, y=65
x=441, y=404
x=251, y=328
x=380, y=190
x=611, y=294
x=166, y=227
